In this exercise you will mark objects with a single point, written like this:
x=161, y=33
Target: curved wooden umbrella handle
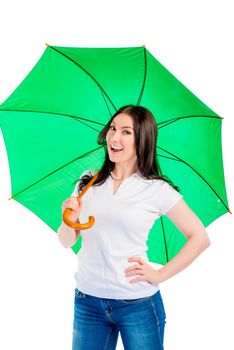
x=67, y=212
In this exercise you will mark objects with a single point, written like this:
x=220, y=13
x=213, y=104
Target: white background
x=193, y=40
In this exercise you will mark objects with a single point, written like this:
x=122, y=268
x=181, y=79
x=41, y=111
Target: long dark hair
x=146, y=133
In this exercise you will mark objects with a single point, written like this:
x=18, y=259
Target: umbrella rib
x=89, y=74
x=106, y=102
x=164, y=239
x=163, y=156
x=54, y=171
x=62, y=114
x=165, y=123
x=144, y=79
x=168, y=122
x=181, y=160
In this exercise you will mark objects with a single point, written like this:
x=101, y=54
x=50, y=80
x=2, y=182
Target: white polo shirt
x=121, y=228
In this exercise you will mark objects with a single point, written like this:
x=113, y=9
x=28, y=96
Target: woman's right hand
x=74, y=204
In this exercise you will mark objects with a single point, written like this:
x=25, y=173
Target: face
x=121, y=135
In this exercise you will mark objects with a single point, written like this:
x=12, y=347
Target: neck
x=121, y=174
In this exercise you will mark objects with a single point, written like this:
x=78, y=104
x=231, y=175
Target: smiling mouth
x=115, y=150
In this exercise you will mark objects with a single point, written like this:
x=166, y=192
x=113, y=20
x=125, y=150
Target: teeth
x=116, y=147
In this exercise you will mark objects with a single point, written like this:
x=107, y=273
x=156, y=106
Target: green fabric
x=51, y=121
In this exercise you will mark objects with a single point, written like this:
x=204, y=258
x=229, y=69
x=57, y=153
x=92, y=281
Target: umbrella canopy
x=50, y=125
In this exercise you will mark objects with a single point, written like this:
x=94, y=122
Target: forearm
x=190, y=251
x=67, y=235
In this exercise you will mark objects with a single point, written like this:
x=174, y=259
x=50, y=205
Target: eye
x=112, y=126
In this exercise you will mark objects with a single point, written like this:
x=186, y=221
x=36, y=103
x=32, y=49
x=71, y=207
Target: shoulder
x=167, y=196
x=155, y=183
x=167, y=189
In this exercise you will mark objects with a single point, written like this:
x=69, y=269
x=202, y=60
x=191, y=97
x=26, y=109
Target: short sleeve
x=168, y=197
x=75, y=191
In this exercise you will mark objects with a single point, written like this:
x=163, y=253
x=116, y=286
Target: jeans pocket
x=157, y=300
x=133, y=301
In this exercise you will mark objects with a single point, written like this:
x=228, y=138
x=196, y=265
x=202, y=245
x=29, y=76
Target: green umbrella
x=50, y=125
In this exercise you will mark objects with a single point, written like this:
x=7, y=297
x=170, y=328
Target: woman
x=117, y=290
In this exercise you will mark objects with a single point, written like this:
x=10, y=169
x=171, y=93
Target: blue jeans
x=98, y=321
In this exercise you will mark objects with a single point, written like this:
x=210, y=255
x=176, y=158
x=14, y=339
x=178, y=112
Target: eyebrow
x=129, y=127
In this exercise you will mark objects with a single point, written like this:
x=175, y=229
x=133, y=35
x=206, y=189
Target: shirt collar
x=137, y=175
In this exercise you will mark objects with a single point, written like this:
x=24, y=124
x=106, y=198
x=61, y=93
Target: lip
x=115, y=146
x=112, y=152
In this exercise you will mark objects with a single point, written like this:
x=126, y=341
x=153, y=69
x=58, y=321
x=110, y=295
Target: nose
x=115, y=137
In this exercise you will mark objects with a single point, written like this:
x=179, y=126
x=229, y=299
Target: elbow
x=64, y=244
x=67, y=236
x=205, y=243
x=202, y=239
x=61, y=239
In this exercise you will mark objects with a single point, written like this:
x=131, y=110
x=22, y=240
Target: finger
x=70, y=207
x=69, y=204
x=136, y=259
x=132, y=267
x=132, y=273
x=74, y=207
x=140, y=278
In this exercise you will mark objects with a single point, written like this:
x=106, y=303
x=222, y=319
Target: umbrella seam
x=85, y=70
x=182, y=161
x=144, y=79
x=167, y=122
x=36, y=182
x=164, y=238
x=54, y=113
